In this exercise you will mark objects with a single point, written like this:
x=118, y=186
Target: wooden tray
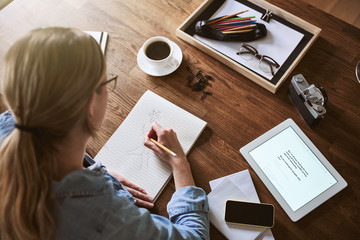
x=186, y=31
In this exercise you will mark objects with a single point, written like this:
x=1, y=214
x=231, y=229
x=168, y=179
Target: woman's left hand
x=139, y=194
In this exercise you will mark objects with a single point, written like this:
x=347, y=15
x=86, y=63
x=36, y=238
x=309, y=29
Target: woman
x=55, y=86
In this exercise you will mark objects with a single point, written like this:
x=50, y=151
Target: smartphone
x=249, y=213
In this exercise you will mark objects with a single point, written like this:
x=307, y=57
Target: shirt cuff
x=186, y=200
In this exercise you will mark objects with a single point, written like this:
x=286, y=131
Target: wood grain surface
x=239, y=110
x=346, y=10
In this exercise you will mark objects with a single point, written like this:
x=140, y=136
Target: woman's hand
x=168, y=138
x=179, y=164
x=139, y=194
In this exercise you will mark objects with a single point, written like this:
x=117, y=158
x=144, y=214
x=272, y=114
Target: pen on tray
x=163, y=147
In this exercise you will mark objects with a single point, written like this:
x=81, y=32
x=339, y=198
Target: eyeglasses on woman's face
x=266, y=63
x=110, y=83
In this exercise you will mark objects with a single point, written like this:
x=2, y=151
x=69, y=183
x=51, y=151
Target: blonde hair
x=49, y=76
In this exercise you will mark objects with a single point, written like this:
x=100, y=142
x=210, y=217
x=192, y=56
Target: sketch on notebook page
x=142, y=154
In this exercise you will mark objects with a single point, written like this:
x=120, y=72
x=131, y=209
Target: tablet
x=293, y=169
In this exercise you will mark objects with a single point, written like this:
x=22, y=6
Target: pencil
x=239, y=28
x=228, y=16
x=163, y=147
x=230, y=21
x=235, y=27
x=235, y=32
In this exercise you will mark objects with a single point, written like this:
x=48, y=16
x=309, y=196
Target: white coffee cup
x=158, y=52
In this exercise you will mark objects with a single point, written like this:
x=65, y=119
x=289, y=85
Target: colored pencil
x=240, y=28
x=225, y=17
x=239, y=18
x=235, y=26
x=163, y=147
x=234, y=20
x=233, y=23
x=235, y=32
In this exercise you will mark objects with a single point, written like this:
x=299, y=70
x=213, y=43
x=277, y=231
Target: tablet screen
x=293, y=169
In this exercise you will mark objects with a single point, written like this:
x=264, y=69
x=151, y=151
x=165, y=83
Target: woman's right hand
x=168, y=138
x=179, y=164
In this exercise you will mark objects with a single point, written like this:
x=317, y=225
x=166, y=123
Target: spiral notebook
x=125, y=153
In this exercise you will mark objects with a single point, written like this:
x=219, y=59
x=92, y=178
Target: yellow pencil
x=239, y=28
x=163, y=147
x=240, y=31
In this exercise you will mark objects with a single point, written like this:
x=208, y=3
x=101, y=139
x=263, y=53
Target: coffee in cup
x=158, y=52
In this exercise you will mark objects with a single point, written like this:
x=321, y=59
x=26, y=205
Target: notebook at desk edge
x=100, y=37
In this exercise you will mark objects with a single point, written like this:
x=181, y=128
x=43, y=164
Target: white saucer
x=159, y=71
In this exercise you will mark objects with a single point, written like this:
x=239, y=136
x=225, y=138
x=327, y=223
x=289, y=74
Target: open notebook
x=125, y=153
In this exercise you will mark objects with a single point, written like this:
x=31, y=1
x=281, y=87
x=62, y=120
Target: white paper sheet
x=125, y=153
x=278, y=44
x=243, y=181
x=238, y=186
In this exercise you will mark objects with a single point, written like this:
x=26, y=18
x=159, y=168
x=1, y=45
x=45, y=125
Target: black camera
x=308, y=99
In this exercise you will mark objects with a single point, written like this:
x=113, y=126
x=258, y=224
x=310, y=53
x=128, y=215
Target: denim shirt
x=94, y=205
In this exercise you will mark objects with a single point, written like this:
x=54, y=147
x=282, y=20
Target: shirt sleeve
x=189, y=207
x=7, y=124
x=188, y=211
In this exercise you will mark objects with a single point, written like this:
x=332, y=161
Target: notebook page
x=100, y=37
x=125, y=153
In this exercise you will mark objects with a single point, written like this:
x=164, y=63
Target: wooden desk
x=239, y=110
